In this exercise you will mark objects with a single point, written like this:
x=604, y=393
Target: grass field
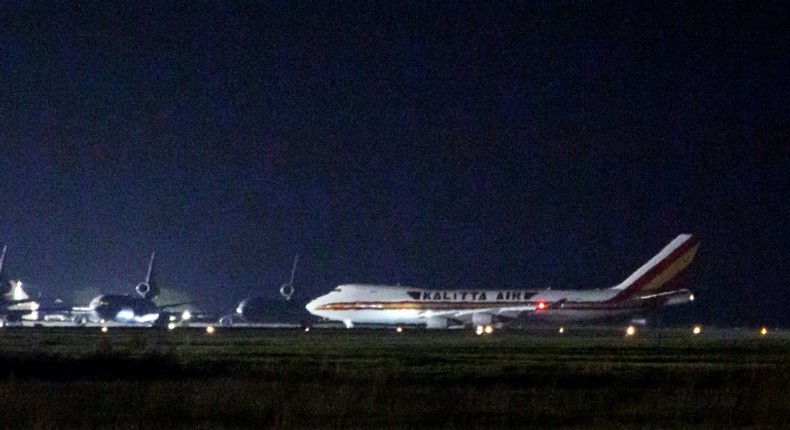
x=241, y=378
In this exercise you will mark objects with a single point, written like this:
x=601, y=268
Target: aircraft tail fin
x=287, y=290
x=5, y=283
x=150, y=269
x=11, y=291
x=660, y=272
x=18, y=294
x=149, y=289
x=2, y=259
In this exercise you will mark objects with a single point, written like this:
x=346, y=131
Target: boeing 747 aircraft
x=651, y=287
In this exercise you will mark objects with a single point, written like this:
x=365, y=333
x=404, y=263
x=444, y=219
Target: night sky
x=454, y=145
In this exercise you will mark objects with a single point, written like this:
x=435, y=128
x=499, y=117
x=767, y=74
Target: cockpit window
x=338, y=289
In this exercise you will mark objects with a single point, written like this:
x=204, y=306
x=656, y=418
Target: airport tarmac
x=253, y=377
x=543, y=331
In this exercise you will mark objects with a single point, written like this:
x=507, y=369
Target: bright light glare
x=696, y=330
x=562, y=330
x=210, y=329
x=541, y=305
x=306, y=329
x=124, y=315
x=489, y=329
x=172, y=317
x=171, y=326
x=691, y=297
x=763, y=331
x=186, y=315
x=479, y=330
x=399, y=329
x=104, y=329
x=630, y=331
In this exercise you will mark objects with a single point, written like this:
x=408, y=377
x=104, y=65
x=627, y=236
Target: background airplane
x=127, y=308
x=651, y=287
x=288, y=308
x=15, y=304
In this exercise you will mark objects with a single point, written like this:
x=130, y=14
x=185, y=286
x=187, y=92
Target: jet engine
x=481, y=319
x=436, y=322
x=287, y=290
x=147, y=291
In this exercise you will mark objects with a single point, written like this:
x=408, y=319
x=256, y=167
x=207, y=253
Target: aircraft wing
x=429, y=314
x=667, y=298
x=17, y=302
x=175, y=305
x=499, y=310
x=502, y=311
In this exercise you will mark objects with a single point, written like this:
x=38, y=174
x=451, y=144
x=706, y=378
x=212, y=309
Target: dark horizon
x=552, y=144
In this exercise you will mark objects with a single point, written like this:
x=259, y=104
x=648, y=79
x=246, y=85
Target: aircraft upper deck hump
x=665, y=266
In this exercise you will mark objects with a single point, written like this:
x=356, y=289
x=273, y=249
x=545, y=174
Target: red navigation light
x=541, y=306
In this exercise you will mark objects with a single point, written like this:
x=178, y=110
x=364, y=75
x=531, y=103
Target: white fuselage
x=381, y=304
x=649, y=287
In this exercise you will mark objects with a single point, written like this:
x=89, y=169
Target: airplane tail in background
x=287, y=290
x=150, y=269
x=658, y=274
x=149, y=289
x=18, y=294
x=12, y=295
x=6, y=287
x=2, y=258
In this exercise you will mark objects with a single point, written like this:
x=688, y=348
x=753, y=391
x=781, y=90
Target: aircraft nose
x=311, y=306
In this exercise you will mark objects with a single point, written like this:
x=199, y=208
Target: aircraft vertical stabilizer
x=661, y=269
x=149, y=289
x=2, y=259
